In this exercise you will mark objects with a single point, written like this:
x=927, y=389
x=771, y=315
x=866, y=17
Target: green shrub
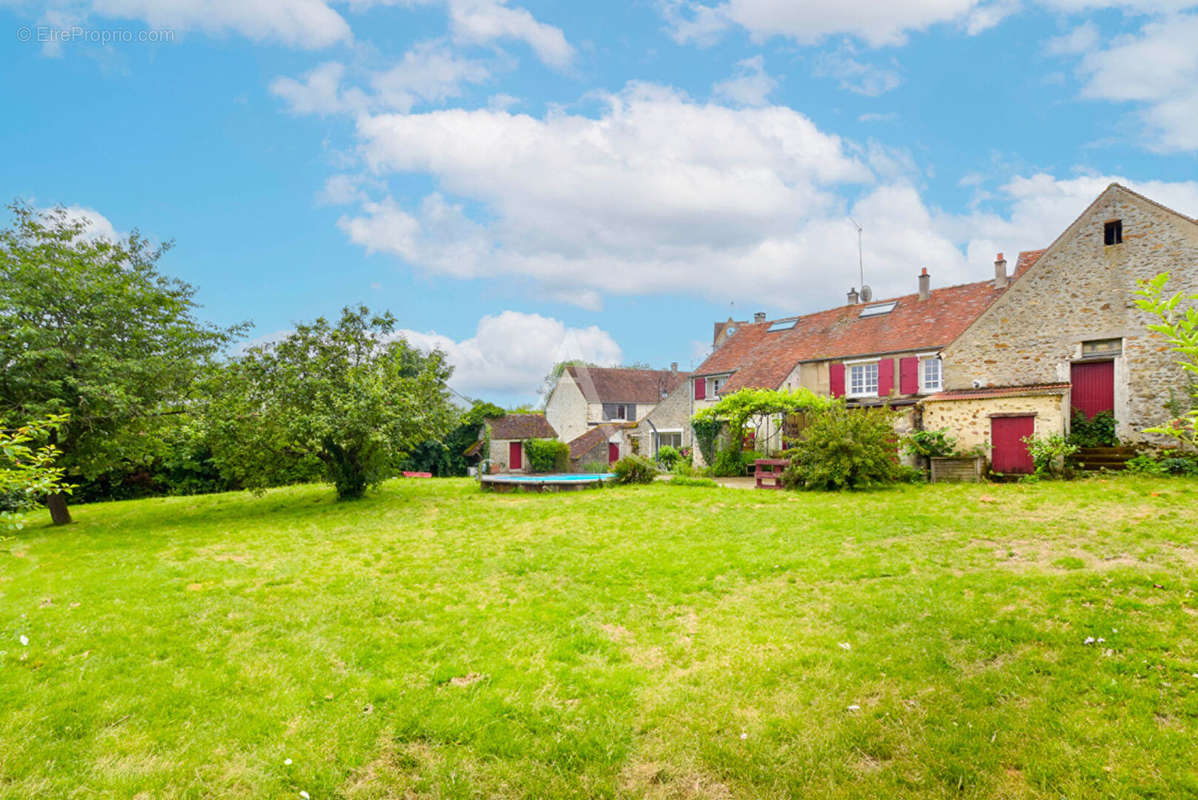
x=683, y=480
x=634, y=469
x=1096, y=431
x=547, y=455
x=845, y=448
x=1145, y=464
x=730, y=462
x=667, y=456
x=706, y=432
x=929, y=444
x=1049, y=454
x=1163, y=464
x=1180, y=465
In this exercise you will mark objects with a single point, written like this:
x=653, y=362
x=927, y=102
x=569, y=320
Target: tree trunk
x=57, y=503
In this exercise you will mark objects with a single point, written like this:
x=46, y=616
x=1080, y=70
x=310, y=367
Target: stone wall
x=499, y=456
x=671, y=414
x=1080, y=290
x=969, y=420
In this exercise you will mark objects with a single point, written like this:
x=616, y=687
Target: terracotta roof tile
x=624, y=385
x=522, y=426
x=758, y=358
x=1001, y=391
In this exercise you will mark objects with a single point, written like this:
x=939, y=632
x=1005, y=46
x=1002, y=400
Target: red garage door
x=515, y=458
x=1094, y=387
x=1008, y=452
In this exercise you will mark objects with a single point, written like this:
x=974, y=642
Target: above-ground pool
x=540, y=483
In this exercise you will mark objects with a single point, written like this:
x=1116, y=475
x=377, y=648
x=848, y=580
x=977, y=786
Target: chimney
x=853, y=296
x=759, y=316
x=1000, y=272
x=673, y=366
x=925, y=284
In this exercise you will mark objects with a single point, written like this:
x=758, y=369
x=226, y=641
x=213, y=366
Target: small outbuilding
x=508, y=435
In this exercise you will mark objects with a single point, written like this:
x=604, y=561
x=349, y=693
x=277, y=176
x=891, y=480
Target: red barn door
x=613, y=452
x=515, y=457
x=1008, y=452
x=1094, y=387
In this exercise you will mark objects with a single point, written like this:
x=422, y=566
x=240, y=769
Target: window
x=863, y=380
x=929, y=375
x=669, y=439
x=782, y=325
x=1112, y=232
x=714, y=384
x=879, y=309
x=1102, y=347
x=620, y=411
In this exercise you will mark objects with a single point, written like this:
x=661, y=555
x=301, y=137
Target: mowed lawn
x=436, y=641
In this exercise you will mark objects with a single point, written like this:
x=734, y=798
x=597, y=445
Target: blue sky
x=526, y=181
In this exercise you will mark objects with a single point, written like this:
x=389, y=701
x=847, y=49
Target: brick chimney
x=673, y=366
x=925, y=284
x=759, y=317
x=1000, y=272
x=853, y=297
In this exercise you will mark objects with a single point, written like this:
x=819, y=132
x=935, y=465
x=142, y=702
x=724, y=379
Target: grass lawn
x=665, y=642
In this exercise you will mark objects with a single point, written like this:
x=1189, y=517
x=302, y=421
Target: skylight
x=879, y=309
x=782, y=325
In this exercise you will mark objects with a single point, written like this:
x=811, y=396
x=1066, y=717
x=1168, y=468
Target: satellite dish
x=867, y=294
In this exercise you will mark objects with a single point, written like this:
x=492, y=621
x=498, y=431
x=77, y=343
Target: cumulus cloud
x=98, y=226
x=512, y=352
x=482, y=21
x=1158, y=69
x=750, y=85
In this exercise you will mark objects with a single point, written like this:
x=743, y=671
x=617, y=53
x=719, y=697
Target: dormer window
x=1112, y=232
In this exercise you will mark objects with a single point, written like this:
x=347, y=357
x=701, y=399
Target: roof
x=625, y=385
x=521, y=426
x=758, y=358
x=1032, y=390
x=596, y=436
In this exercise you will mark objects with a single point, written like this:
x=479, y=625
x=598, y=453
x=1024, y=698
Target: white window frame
x=714, y=385
x=850, y=366
x=924, y=386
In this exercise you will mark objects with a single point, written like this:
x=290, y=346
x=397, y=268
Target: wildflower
x=744, y=736
x=1089, y=640
x=287, y=762
x=845, y=645
x=854, y=707
x=305, y=795
x=24, y=640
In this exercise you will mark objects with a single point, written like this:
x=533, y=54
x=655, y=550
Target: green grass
x=657, y=641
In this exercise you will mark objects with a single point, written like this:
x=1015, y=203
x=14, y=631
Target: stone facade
x=672, y=415
x=567, y=410
x=1079, y=290
x=500, y=450
x=968, y=420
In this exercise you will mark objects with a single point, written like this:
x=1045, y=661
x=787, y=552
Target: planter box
x=952, y=469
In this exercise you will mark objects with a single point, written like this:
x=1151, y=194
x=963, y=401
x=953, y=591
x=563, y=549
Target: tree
x=1179, y=326
x=351, y=394
x=90, y=328
x=27, y=472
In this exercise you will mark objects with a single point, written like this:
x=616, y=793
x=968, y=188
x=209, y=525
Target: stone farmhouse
x=996, y=360
x=508, y=435
x=611, y=399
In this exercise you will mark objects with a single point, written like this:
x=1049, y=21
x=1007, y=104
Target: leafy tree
x=1179, y=326
x=27, y=472
x=350, y=395
x=91, y=329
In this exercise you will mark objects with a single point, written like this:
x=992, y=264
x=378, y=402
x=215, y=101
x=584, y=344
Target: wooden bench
x=768, y=472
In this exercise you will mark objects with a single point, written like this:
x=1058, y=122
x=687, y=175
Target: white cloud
x=1158, y=68
x=751, y=85
x=483, y=21
x=428, y=73
x=307, y=24
x=98, y=226
x=512, y=352
x=1081, y=39
x=811, y=21
x=856, y=76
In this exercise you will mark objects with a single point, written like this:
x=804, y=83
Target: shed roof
x=521, y=426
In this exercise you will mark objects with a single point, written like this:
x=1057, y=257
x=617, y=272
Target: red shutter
x=700, y=388
x=909, y=375
x=885, y=377
x=836, y=379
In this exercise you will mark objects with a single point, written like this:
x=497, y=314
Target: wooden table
x=768, y=472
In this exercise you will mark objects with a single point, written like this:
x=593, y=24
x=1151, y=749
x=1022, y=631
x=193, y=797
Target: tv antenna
x=866, y=292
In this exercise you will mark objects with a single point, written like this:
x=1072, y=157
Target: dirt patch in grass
x=658, y=781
